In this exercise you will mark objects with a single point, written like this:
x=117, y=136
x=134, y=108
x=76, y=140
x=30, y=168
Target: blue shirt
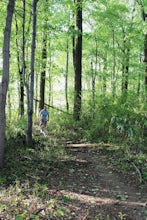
x=43, y=114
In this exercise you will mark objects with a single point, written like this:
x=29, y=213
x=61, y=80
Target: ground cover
x=60, y=178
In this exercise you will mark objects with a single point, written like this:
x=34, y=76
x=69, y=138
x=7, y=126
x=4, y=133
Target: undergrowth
x=24, y=177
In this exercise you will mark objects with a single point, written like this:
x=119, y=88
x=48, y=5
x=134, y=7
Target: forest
x=86, y=61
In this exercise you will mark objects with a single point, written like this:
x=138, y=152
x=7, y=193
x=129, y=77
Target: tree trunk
x=5, y=77
x=145, y=61
x=125, y=66
x=44, y=58
x=36, y=107
x=105, y=70
x=20, y=70
x=50, y=100
x=66, y=76
x=22, y=73
x=43, y=72
x=31, y=87
x=125, y=71
x=113, y=79
x=78, y=62
x=93, y=73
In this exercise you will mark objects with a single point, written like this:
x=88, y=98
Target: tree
x=5, y=77
x=20, y=70
x=145, y=61
x=30, y=89
x=43, y=72
x=106, y=54
x=78, y=61
x=44, y=57
x=66, y=75
x=144, y=18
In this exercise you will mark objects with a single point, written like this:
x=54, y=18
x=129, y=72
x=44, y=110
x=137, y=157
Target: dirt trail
x=95, y=190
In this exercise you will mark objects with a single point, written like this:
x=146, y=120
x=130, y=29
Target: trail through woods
x=60, y=179
x=96, y=190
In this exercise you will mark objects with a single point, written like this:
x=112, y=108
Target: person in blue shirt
x=44, y=117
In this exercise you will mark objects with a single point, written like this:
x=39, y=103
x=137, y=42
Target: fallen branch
x=36, y=212
x=58, y=109
x=138, y=171
x=136, y=168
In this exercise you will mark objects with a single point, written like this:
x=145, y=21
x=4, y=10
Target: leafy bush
x=16, y=128
x=120, y=120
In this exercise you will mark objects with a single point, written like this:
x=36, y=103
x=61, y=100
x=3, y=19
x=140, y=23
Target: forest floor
x=83, y=185
x=101, y=192
x=93, y=188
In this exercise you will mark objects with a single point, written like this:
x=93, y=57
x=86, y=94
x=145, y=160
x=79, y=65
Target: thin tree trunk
x=104, y=75
x=66, y=76
x=9, y=108
x=5, y=77
x=36, y=95
x=113, y=80
x=125, y=67
x=125, y=74
x=49, y=76
x=43, y=72
x=20, y=70
x=78, y=62
x=96, y=68
x=93, y=90
x=139, y=84
x=31, y=87
x=22, y=76
x=145, y=61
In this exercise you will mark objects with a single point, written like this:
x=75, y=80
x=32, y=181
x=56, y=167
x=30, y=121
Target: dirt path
x=94, y=190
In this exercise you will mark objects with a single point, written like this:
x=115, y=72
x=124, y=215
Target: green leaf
x=3, y=179
x=18, y=217
x=60, y=212
x=66, y=198
x=121, y=197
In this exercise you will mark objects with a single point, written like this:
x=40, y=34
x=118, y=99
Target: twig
x=136, y=168
x=138, y=171
x=56, y=108
x=36, y=212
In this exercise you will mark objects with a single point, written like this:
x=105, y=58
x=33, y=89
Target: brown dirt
x=92, y=189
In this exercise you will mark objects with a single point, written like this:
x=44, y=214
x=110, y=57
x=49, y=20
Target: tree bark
x=145, y=61
x=31, y=87
x=78, y=62
x=125, y=65
x=66, y=76
x=20, y=70
x=43, y=72
x=5, y=77
x=113, y=79
x=44, y=59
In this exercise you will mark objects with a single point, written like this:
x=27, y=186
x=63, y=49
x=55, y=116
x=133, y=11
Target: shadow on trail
x=83, y=183
x=89, y=184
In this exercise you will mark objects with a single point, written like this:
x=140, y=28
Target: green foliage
x=121, y=119
x=27, y=170
x=3, y=179
x=107, y=121
x=18, y=217
x=95, y=121
x=63, y=125
x=16, y=128
x=129, y=123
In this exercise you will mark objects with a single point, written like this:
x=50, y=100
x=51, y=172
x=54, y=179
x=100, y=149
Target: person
x=44, y=117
